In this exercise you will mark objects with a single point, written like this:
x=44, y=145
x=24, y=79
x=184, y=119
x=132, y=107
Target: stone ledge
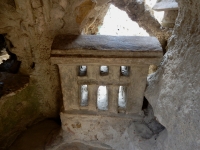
x=105, y=61
x=102, y=113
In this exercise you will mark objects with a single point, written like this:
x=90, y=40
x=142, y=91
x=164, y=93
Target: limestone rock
x=174, y=90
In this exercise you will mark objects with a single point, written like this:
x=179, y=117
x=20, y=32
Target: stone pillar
x=92, y=75
x=93, y=72
x=70, y=91
x=114, y=73
x=113, y=98
x=169, y=18
x=135, y=91
x=92, y=97
x=170, y=8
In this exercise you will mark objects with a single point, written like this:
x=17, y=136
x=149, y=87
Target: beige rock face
x=174, y=89
x=31, y=26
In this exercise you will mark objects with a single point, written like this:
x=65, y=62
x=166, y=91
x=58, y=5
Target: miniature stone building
x=90, y=64
x=170, y=8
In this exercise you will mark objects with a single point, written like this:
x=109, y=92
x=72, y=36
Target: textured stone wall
x=31, y=26
x=174, y=89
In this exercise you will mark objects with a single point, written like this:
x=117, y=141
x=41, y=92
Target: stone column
x=113, y=98
x=92, y=75
x=135, y=91
x=114, y=74
x=70, y=91
x=92, y=72
x=92, y=97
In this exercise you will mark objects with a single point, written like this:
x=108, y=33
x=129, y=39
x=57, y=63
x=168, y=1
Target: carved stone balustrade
x=70, y=52
x=103, y=79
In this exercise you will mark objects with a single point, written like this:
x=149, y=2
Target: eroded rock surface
x=174, y=90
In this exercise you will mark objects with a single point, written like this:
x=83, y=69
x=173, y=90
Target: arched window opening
x=102, y=98
x=117, y=22
x=122, y=97
x=84, y=95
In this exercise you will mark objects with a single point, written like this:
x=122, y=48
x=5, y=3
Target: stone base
x=101, y=131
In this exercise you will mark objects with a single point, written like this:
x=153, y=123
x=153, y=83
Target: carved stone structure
x=70, y=52
x=170, y=7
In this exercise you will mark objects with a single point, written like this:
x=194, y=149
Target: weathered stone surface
x=174, y=90
x=103, y=132
x=170, y=8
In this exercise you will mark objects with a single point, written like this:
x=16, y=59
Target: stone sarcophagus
x=102, y=76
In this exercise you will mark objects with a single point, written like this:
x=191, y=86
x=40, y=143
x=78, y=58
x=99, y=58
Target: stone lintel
x=164, y=6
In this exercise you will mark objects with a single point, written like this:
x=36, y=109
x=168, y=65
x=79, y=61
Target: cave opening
x=117, y=22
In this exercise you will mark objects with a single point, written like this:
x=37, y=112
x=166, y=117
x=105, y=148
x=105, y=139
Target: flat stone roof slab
x=103, y=42
x=163, y=6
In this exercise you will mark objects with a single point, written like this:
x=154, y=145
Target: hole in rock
x=3, y=53
x=84, y=95
x=33, y=65
x=82, y=70
x=124, y=70
x=117, y=22
x=102, y=98
x=8, y=60
x=150, y=119
x=104, y=70
x=145, y=104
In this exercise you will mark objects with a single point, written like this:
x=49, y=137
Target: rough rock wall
x=174, y=90
x=31, y=26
